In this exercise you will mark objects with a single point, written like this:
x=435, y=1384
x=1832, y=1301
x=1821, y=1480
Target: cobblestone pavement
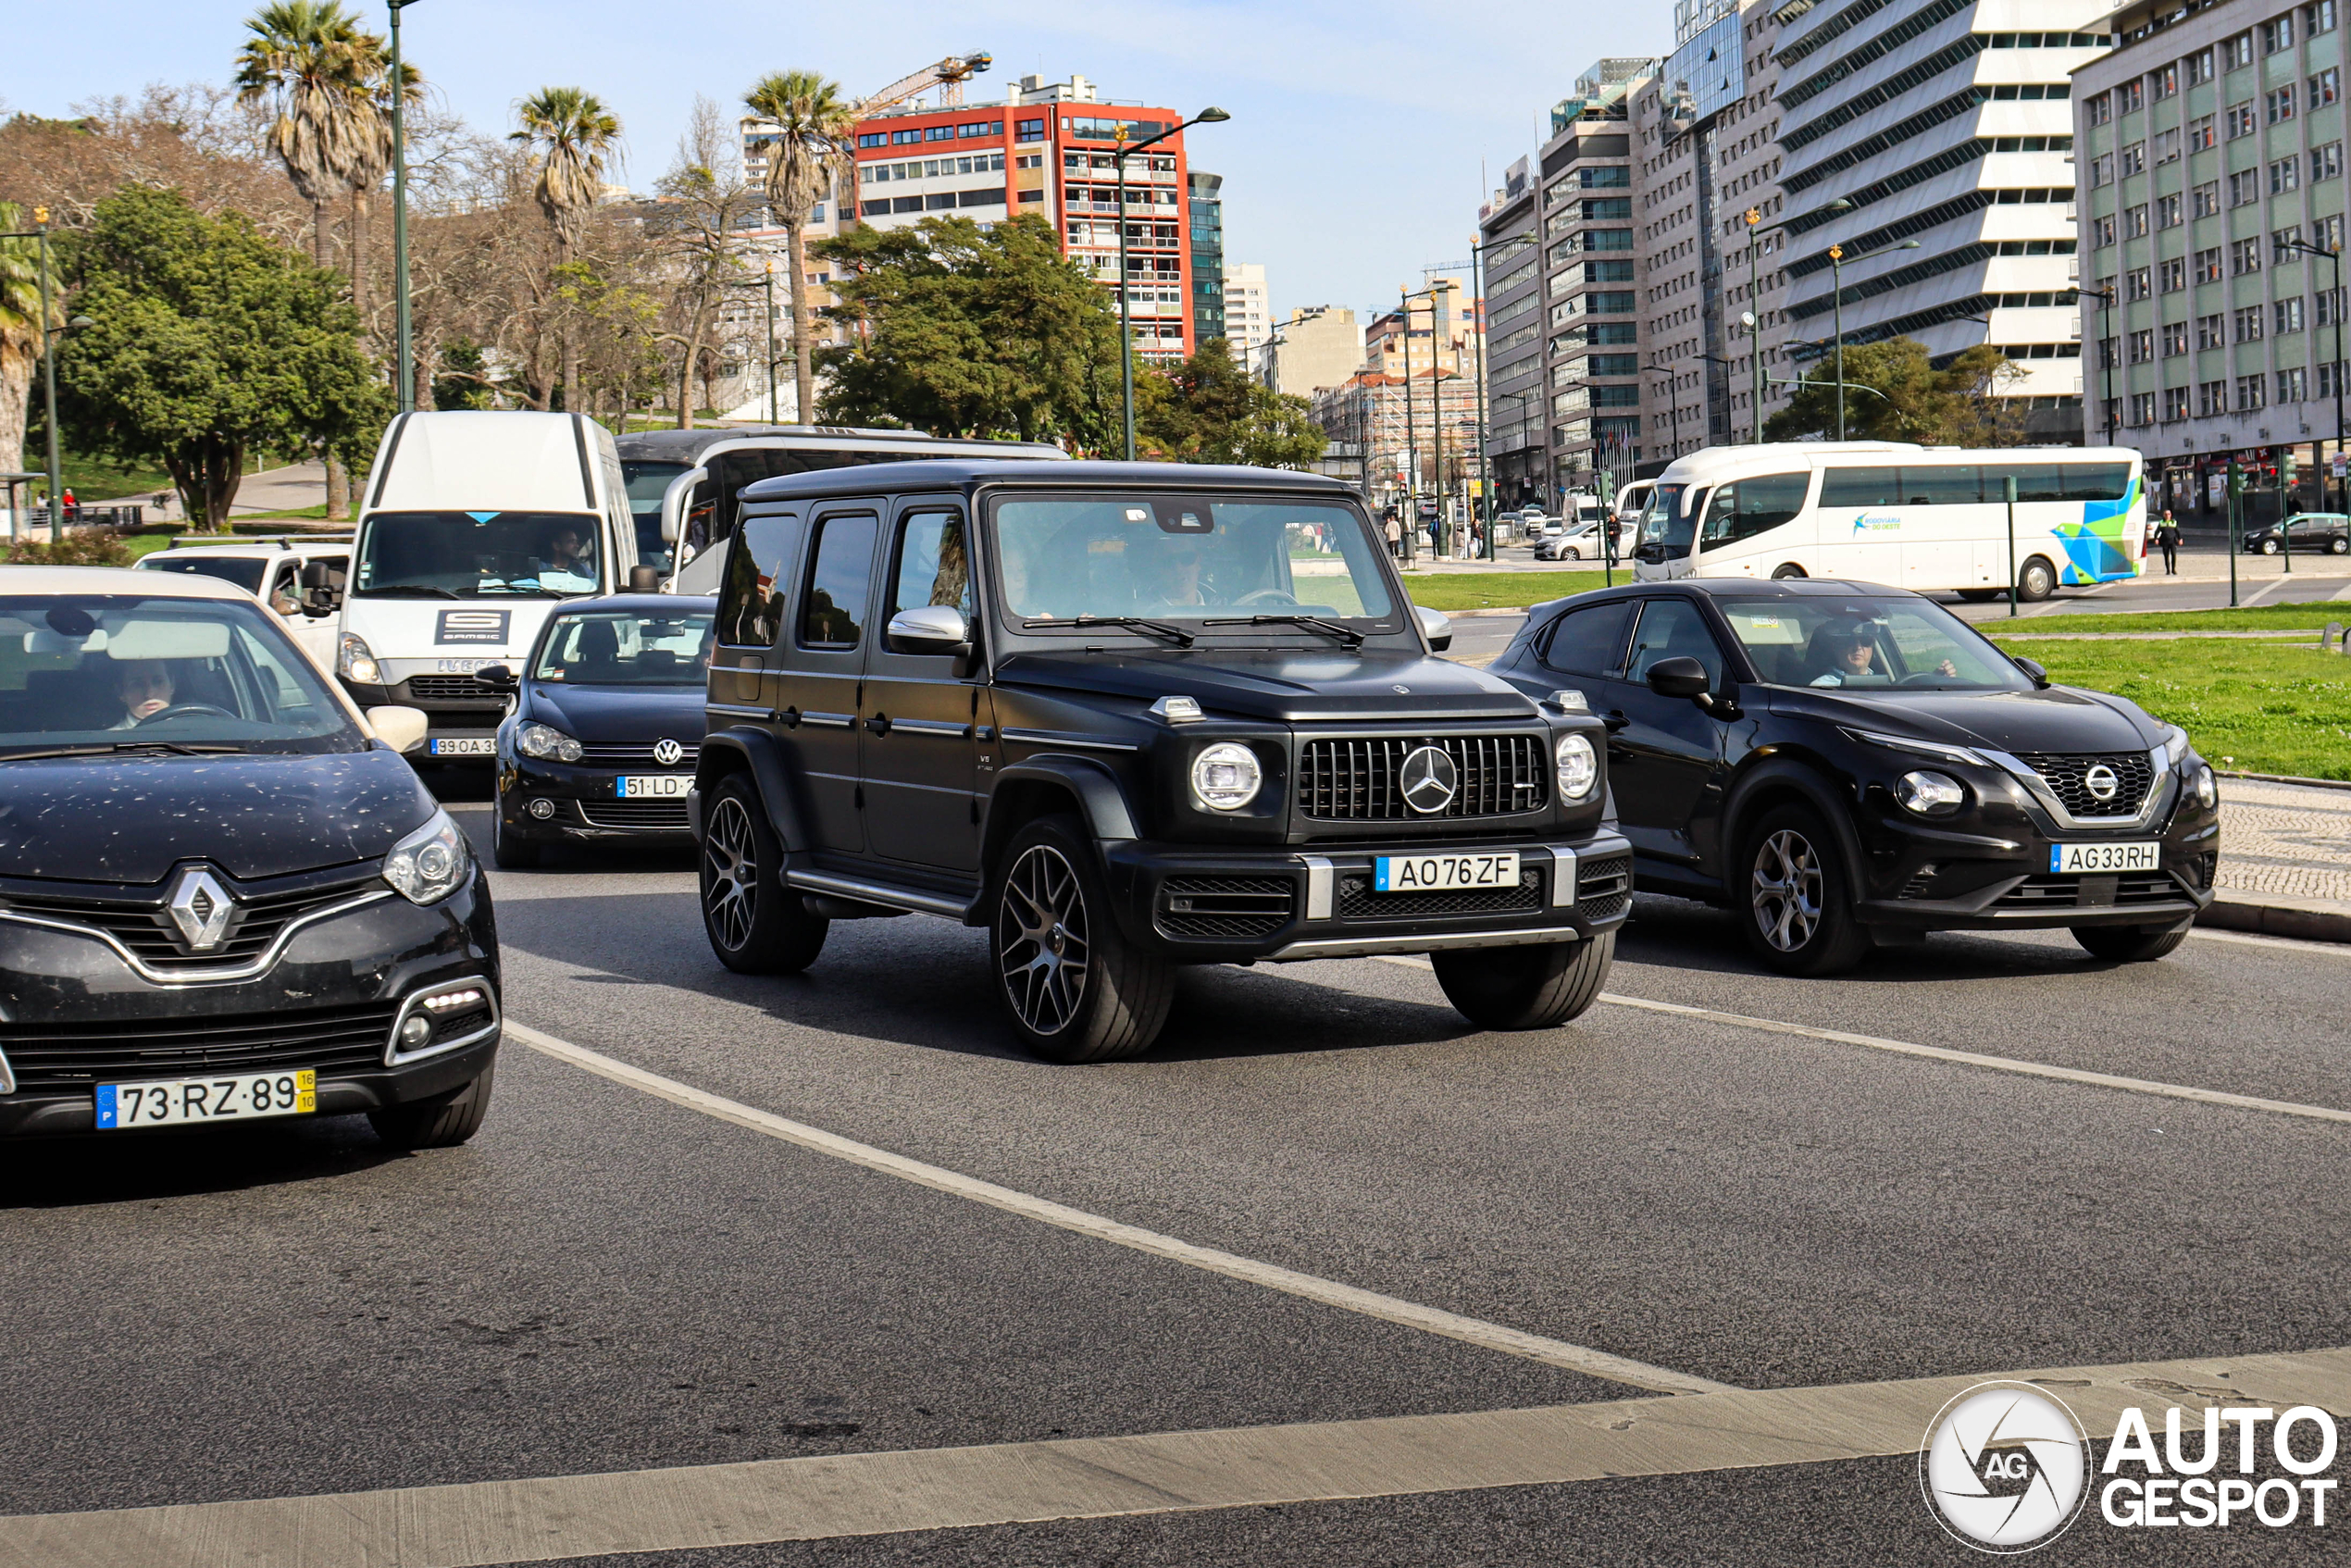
x=2286, y=840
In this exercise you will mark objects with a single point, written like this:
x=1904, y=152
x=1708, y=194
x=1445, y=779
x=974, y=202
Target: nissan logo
x=1428, y=780
x=667, y=752
x=2102, y=782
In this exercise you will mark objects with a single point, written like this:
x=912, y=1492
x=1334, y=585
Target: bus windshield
x=648, y=483
x=477, y=555
x=1666, y=531
x=1907, y=643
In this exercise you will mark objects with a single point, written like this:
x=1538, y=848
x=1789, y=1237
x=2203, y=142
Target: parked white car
x=271, y=569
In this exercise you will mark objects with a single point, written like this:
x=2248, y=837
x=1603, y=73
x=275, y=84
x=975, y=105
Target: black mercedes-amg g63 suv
x=1130, y=716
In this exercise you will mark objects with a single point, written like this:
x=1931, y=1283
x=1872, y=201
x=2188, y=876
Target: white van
x=474, y=526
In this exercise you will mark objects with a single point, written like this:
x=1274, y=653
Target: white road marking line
x=1967, y=1058
x=830, y=1497
x=1370, y=1303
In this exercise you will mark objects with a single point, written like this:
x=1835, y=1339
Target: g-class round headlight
x=546, y=741
x=1226, y=776
x=1579, y=768
x=1929, y=794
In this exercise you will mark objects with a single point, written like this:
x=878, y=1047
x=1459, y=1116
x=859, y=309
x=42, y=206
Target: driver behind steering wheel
x=144, y=687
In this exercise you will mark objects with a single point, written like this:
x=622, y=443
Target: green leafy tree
x=1208, y=409
x=1894, y=392
x=969, y=330
x=208, y=340
x=813, y=151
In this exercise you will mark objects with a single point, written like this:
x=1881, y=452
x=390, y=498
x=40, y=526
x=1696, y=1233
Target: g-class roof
x=964, y=473
x=688, y=446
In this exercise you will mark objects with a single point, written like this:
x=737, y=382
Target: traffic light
x=2236, y=479
x=2288, y=472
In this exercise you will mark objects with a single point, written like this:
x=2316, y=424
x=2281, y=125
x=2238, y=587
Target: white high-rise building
x=1931, y=144
x=1248, y=320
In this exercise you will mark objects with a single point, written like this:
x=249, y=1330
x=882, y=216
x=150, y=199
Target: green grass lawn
x=2260, y=618
x=2254, y=706
x=1494, y=591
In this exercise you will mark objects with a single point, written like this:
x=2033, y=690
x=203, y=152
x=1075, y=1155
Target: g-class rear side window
x=832, y=614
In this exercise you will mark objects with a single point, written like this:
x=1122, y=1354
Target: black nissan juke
x=606, y=725
x=1848, y=765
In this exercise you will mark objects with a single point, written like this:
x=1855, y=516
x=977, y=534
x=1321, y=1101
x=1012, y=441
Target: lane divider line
x=1312, y=1288
x=1964, y=1058
x=475, y=1524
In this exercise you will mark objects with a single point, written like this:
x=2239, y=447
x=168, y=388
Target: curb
x=2287, y=778
x=2309, y=920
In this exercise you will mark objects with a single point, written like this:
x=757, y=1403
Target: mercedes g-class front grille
x=1357, y=902
x=1224, y=906
x=1363, y=780
x=2074, y=778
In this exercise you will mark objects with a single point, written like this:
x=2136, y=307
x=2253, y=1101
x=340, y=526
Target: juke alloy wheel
x=2131, y=944
x=1074, y=988
x=757, y=925
x=1799, y=911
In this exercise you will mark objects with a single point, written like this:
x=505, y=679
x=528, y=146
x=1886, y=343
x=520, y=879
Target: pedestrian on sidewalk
x=2167, y=534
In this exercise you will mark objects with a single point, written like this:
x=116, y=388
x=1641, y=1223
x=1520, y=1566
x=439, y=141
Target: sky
x=1351, y=162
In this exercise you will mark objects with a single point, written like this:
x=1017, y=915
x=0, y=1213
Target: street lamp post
x=404, y=336
x=1210, y=116
x=2333, y=258
x=1836, y=318
x=2106, y=361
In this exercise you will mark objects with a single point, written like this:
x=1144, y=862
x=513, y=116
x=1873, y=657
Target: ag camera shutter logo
x=2005, y=1468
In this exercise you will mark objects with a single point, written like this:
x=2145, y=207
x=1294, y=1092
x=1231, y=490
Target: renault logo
x=2102, y=782
x=667, y=752
x=1428, y=780
x=200, y=908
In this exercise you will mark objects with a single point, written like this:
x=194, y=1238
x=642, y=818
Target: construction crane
x=948, y=74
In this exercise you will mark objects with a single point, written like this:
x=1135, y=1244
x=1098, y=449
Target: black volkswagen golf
x=220, y=897
x=606, y=726
x=1849, y=764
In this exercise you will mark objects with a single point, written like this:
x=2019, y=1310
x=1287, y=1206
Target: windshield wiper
x=107, y=748
x=406, y=591
x=1345, y=634
x=1174, y=634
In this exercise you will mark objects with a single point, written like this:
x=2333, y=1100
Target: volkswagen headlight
x=1579, y=766
x=431, y=863
x=1226, y=776
x=546, y=740
x=356, y=661
x=1929, y=794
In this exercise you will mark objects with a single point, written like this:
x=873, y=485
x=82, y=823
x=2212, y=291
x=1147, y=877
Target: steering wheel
x=178, y=708
x=1921, y=678
x=1267, y=596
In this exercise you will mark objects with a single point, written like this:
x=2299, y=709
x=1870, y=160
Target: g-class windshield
x=1204, y=560
x=1908, y=643
x=477, y=555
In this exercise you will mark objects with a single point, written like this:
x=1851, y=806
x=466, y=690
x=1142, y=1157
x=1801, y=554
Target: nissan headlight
x=1579, y=766
x=431, y=863
x=546, y=742
x=2207, y=788
x=1929, y=794
x=356, y=661
x=1226, y=776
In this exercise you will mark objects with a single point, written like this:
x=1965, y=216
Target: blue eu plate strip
x=2056, y=857
x=107, y=1106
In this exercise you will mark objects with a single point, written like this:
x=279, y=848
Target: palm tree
x=573, y=133
x=20, y=327
x=812, y=152
x=309, y=60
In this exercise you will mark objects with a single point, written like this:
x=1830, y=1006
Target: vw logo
x=2102, y=782
x=667, y=752
x=1428, y=780
x=200, y=908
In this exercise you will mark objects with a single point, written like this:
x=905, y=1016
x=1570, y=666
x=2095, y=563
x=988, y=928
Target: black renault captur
x=221, y=897
x=606, y=726
x=1849, y=764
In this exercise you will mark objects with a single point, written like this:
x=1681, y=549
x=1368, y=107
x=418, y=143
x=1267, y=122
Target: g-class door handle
x=1616, y=720
x=878, y=724
x=791, y=717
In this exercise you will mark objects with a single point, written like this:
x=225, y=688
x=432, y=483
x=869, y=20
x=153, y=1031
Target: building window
x=2326, y=162
x=2211, y=398
x=2175, y=403
x=873, y=139
x=2327, y=232
x=2245, y=257
x=2175, y=339
x=2101, y=170
x=2239, y=120
x=2285, y=175
x=2284, y=244
x=2134, y=159
x=2102, y=232
x=2168, y=210
x=2212, y=331
x=1029, y=131
x=2173, y=273
x=1605, y=177
x=2165, y=80
x=2167, y=146
x=2287, y=314
x=2207, y=266
x=2327, y=379
x=2244, y=187
x=2318, y=19
x=2112, y=408
x=2326, y=88
x=2109, y=353
x=2327, y=307
x=2246, y=325
x=2253, y=392
x=2134, y=95
x=2137, y=285
x=2199, y=67
x=2292, y=385
x=2204, y=200
x=2142, y=346
x=2200, y=133
x=2143, y=409
x=1605, y=208
x=2135, y=223
x=2279, y=103
x=2236, y=53
x=2100, y=110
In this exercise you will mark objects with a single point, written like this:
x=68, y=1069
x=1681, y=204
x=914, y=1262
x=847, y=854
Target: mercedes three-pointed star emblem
x=201, y=907
x=1428, y=780
x=667, y=752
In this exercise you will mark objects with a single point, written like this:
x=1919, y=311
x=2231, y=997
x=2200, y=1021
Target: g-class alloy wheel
x=757, y=924
x=1072, y=988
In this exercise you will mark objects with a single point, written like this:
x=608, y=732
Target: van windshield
x=477, y=555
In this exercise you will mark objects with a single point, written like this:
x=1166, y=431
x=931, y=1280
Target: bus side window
x=1753, y=506
x=1861, y=487
x=1945, y=484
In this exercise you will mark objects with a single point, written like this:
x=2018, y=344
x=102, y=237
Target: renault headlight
x=1579, y=766
x=546, y=740
x=431, y=863
x=356, y=661
x=1226, y=776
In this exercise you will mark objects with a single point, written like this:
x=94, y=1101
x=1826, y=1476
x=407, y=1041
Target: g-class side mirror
x=930, y=629
x=1436, y=626
x=2040, y=676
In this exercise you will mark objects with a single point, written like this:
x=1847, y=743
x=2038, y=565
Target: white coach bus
x=1934, y=518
